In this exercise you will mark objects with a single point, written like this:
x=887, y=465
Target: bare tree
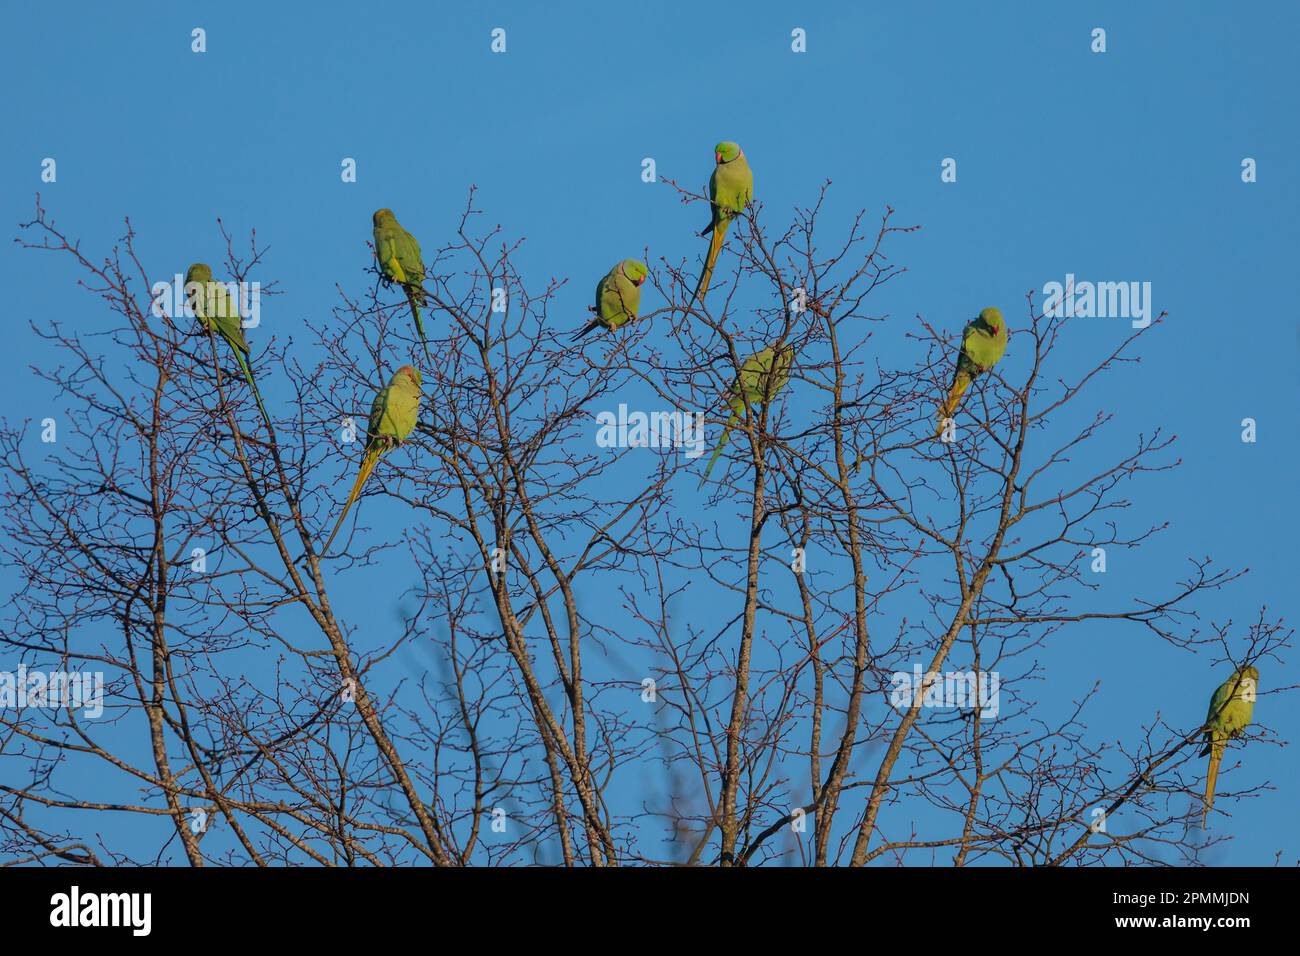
x=598, y=672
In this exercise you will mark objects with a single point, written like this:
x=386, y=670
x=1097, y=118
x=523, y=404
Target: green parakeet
x=220, y=315
x=399, y=261
x=982, y=344
x=731, y=187
x=762, y=376
x=1230, y=711
x=618, y=296
x=392, y=419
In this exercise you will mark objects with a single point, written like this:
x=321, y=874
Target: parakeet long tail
x=960, y=382
x=252, y=384
x=722, y=443
x=367, y=466
x=715, y=246
x=238, y=348
x=414, y=296
x=1211, y=780
x=584, y=330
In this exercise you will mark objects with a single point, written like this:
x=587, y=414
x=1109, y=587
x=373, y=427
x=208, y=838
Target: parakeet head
x=992, y=320
x=382, y=216
x=1246, y=684
x=199, y=272
x=725, y=152
x=413, y=373
x=635, y=270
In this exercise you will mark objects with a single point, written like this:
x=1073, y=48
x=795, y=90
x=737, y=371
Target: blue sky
x=1119, y=166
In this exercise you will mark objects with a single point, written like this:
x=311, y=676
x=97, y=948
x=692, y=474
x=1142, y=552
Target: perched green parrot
x=1231, y=708
x=392, y=419
x=982, y=344
x=220, y=315
x=731, y=187
x=618, y=296
x=762, y=376
x=400, y=261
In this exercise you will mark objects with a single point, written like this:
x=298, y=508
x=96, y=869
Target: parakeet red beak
x=717, y=157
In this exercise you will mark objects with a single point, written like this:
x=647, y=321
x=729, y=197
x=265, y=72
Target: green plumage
x=731, y=189
x=398, y=255
x=618, y=296
x=762, y=376
x=219, y=315
x=395, y=410
x=983, y=342
x=393, y=416
x=1231, y=709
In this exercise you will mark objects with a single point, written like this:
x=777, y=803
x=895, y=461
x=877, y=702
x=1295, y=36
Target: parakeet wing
x=214, y=306
x=394, y=413
x=408, y=254
x=982, y=349
x=764, y=374
x=619, y=299
x=398, y=254
x=386, y=253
